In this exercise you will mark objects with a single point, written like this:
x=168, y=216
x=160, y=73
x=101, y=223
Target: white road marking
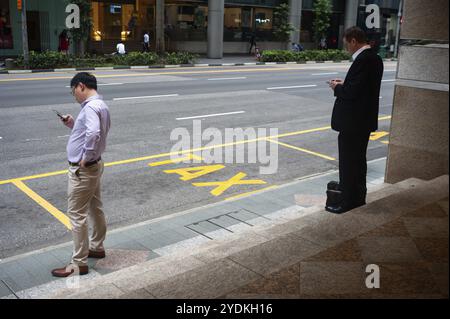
x=209, y=115
x=223, y=79
x=390, y=70
x=62, y=136
x=143, y=97
x=329, y=73
x=1, y=137
x=105, y=84
x=388, y=80
x=33, y=139
x=292, y=87
x=102, y=84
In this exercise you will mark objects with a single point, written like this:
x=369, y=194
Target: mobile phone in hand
x=59, y=115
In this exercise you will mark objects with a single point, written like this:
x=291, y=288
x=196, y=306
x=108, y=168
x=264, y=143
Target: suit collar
x=357, y=53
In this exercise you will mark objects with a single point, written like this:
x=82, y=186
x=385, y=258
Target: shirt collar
x=93, y=97
x=355, y=55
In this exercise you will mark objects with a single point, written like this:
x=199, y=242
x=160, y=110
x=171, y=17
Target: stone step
x=182, y=260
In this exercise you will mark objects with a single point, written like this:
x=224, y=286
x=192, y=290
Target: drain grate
x=9, y=288
x=223, y=222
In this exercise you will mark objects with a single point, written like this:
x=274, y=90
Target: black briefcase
x=334, y=194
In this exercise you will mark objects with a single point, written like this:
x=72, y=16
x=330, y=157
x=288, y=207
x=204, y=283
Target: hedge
x=53, y=59
x=303, y=56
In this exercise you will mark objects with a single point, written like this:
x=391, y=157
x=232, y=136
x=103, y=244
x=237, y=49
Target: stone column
x=160, y=41
x=351, y=13
x=418, y=144
x=295, y=18
x=216, y=10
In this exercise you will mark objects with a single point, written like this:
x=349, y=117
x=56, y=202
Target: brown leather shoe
x=96, y=254
x=70, y=269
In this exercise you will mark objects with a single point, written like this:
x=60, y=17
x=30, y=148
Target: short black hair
x=86, y=78
x=355, y=33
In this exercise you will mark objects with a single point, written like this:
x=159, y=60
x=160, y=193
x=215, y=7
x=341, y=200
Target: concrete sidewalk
x=28, y=275
x=394, y=247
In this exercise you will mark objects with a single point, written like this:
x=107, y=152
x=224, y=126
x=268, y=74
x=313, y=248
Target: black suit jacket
x=357, y=100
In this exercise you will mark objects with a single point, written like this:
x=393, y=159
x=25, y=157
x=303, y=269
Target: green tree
x=322, y=17
x=281, y=25
x=81, y=35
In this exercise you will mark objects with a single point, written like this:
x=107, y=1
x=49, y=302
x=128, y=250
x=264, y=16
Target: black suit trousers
x=353, y=167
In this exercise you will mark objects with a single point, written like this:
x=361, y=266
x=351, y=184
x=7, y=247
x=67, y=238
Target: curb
x=171, y=66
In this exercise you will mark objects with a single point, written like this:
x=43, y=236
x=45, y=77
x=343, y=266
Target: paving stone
x=208, y=281
x=158, y=271
x=276, y=254
x=427, y=227
x=388, y=249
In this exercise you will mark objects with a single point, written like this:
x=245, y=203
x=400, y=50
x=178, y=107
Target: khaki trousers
x=84, y=200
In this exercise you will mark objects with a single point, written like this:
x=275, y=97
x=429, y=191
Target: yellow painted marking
x=26, y=178
x=303, y=150
x=249, y=193
x=186, y=173
x=385, y=142
x=150, y=74
x=235, y=180
x=146, y=158
x=43, y=203
x=178, y=160
x=377, y=135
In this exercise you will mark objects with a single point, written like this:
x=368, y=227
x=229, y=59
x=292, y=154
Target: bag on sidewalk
x=334, y=194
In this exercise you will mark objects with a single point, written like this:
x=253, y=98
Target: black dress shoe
x=339, y=209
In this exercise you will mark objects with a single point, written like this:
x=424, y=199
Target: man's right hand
x=68, y=121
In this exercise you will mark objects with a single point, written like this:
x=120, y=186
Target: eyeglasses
x=72, y=89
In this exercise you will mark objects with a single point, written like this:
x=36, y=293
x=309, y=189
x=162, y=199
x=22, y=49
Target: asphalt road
x=146, y=106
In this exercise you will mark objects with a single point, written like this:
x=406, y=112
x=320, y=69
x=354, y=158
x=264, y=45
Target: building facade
x=183, y=24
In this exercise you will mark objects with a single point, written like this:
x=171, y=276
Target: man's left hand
x=83, y=163
x=334, y=83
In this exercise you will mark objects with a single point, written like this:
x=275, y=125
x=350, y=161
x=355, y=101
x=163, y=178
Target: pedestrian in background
x=63, y=45
x=146, y=43
x=252, y=42
x=120, y=48
x=85, y=147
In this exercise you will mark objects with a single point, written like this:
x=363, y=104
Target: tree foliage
x=282, y=27
x=322, y=17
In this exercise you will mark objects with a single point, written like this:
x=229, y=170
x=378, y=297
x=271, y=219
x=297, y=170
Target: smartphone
x=59, y=115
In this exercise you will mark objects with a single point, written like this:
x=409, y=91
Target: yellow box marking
x=187, y=173
x=178, y=160
x=145, y=158
x=235, y=180
x=377, y=135
x=303, y=150
x=249, y=193
x=43, y=203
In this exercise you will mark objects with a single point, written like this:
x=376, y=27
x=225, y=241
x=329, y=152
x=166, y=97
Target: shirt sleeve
x=92, y=137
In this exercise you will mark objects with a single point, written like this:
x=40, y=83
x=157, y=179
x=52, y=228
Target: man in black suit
x=355, y=116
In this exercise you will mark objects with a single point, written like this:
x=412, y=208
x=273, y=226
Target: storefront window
x=186, y=21
x=264, y=24
x=6, y=40
x=124, y=20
